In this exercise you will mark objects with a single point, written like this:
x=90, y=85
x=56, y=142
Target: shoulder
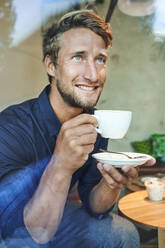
x=15, y=138
x=16, y=112
x=16, y=117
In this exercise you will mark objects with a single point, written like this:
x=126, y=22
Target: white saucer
x=119, y=160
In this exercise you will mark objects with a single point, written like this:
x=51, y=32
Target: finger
x=80, y=120
x=138, y=168
x=80, y=150
x=115, y=174
x=130, y=171
x=87, y=148
x=150, y=162
x=83, y=143
x=79, y=131
x=109, y=180
x=86, y=139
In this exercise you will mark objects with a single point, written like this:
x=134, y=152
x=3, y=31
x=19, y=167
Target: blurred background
x=136, y=68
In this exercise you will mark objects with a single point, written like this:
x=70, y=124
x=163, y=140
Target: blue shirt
x=28, y=133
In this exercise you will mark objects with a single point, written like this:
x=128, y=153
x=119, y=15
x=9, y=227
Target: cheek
x=69, y=71
x=103, y=74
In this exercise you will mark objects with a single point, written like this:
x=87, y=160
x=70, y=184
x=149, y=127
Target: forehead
x=81, y=39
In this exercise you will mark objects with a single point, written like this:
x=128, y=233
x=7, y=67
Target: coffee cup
x=113, y=124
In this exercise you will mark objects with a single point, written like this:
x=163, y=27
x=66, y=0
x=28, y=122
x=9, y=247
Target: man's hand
x=43, y=213
x=150, y=162
x=75, y=141
x=117, y=178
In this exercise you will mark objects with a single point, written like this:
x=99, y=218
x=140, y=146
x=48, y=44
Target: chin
x=88, y=106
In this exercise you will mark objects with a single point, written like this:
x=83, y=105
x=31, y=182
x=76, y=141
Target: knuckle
x=72, y=143
x=89, y=128
x=85, y=117
x=89, y=119
x=120, y=179
x=67, y=134
x=92, y=138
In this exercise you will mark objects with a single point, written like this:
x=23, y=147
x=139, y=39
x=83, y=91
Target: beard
x=74, y=100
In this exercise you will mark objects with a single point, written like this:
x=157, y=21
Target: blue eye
x=101, y=60
x=77, y=57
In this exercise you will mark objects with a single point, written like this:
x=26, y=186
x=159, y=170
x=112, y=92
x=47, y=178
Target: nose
x=91, y=72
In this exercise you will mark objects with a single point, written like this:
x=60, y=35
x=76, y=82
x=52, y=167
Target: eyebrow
x=82, y=52
x=78, y=52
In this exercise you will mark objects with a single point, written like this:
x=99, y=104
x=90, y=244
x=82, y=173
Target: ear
x=50, y=67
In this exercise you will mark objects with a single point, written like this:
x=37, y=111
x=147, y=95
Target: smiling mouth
x=87, y=88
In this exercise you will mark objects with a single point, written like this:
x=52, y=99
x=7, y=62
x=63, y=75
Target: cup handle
x=96, y=128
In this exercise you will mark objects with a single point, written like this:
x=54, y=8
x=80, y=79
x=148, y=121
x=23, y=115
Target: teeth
x=86, y=87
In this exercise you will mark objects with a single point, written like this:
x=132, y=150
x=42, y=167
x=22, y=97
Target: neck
x=63, y=111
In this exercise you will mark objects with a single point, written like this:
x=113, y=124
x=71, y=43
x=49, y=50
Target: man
x=46, y=146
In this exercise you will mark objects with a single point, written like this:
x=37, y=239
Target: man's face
x=81, y=68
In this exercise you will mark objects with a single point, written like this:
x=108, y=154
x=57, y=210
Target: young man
x=46, y=146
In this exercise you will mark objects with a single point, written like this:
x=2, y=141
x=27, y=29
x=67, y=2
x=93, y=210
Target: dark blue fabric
x=28, y=133
x=77, y=230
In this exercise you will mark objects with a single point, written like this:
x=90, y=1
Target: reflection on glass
x=159, y=20
x=7, y=22
x=22, y=18
x=137, y=7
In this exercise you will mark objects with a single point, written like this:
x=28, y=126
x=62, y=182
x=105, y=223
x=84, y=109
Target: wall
x=22, y=73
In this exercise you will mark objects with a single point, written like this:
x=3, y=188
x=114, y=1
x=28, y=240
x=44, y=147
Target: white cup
x=155, y=189
x=113, y=124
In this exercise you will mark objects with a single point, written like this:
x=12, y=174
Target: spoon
x=130, y=157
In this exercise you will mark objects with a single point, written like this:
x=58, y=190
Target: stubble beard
x=73, y=100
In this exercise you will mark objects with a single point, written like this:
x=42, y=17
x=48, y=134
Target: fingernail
x=125, y=168
x=107, y=167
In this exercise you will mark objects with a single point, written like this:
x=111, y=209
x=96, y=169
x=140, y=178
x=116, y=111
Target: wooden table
x=139, y=208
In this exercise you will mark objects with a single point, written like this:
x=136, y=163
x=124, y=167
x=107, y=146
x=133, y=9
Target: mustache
x=88, y=82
